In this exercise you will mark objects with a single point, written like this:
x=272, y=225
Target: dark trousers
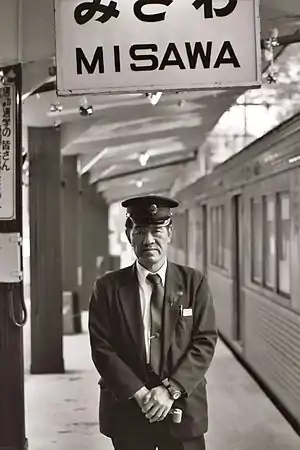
x=132, y=442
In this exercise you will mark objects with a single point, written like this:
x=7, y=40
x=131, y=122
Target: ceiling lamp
x=139, y=184
x=57, y=123
x=85, y=109
x=6, y=77
x=143, y=158
x=2, y=78
x=271, y=75
x=154, y=98
x=56, y=107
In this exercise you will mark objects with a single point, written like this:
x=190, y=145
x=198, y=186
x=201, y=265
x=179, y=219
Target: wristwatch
x=174, y=392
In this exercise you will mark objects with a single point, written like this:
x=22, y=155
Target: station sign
x=107, y=46
x=7, y=152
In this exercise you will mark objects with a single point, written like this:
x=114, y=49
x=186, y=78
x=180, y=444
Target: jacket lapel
x=172, y=301
x=131, y=306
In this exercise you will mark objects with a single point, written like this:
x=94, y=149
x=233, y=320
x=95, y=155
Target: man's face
x=150, y=244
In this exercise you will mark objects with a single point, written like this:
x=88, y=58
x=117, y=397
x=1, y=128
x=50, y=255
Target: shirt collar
x=142, y=272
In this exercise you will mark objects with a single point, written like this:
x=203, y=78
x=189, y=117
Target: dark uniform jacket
x=118, y=348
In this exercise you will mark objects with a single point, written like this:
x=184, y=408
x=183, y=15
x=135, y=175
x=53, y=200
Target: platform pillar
x=93, y=238
x=45, y=250
x=70, y=223
x=12, y=308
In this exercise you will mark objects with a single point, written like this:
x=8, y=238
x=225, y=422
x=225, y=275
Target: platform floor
x=62, y=410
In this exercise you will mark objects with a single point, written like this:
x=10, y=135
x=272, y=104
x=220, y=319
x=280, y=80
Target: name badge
x=187, y=312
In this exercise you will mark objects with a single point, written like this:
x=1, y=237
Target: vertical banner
x=7, y=153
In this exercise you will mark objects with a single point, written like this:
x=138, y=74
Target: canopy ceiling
x=125, y=131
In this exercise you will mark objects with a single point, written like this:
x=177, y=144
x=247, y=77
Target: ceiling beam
x=95, y=147
x=153, y=167
x=120, y=196
x=116, y=194
x=73, y=133
x=111, y=165
x=162, y=175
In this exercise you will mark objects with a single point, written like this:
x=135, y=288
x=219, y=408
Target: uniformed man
x=153, y=334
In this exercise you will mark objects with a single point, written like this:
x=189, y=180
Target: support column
x=70, y=223
x=45, y=250
x=12, y=415
x=94, y=238
x=70, y=244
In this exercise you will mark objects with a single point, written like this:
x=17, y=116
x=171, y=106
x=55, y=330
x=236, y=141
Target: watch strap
x=171, y=387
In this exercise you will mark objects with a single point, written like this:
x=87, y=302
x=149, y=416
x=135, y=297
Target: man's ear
x=127, y=231
x=170, y=232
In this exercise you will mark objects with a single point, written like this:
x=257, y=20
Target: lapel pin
x=175, y=299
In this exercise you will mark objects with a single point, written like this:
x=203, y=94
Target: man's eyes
x=154, y=232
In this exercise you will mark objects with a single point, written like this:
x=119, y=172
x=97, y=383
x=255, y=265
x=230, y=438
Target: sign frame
x=8, y=203
x=63, y=90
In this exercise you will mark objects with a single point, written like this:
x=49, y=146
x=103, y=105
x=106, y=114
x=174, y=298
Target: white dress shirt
x=145, y=289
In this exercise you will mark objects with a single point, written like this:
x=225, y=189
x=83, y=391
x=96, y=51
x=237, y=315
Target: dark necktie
x=156, y=307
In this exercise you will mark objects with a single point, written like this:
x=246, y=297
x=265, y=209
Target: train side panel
x=243, y=230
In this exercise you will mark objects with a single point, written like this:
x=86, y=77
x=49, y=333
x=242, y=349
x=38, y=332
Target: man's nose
x=148, y=238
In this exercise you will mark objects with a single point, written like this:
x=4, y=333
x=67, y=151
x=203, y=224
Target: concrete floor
x=62, y=410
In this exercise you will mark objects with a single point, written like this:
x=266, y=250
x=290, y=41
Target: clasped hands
x=155, y=403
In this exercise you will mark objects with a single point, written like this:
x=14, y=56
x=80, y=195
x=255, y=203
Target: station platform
x=62, y=409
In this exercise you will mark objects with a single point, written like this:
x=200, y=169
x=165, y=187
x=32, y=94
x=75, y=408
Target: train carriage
x=241, y=226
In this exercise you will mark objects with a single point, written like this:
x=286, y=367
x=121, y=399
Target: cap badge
x=153, y=209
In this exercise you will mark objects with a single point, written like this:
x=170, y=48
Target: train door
x=187, y=232
x=180, y=237
x=204, y=238
x=237, y=269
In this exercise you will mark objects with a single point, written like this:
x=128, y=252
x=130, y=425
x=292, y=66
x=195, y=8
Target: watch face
x=176, y=395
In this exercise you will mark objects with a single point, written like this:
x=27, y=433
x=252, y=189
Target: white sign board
x=7, y=153
x=156, y=45
x=10, y=258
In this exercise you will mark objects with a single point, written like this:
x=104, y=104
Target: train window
x=213, y=225
x=199, y=239
x=221, y=228
x=270, y=242
x=269, y=230
x=256, y=241
x=217, y=235
x=179, y=238
x=283, y=245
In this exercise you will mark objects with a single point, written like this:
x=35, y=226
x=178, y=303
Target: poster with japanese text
x=7, y=153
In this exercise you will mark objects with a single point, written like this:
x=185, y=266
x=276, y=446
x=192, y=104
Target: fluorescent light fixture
x=294, y=159
x=92, y=162
x=107, y=171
